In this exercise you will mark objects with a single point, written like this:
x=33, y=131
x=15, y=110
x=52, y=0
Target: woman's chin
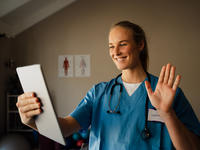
x=121, y=68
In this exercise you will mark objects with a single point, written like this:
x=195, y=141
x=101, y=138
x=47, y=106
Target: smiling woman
x=123, y=49
x=128, y=47
x=134, y=34
x=156, y=115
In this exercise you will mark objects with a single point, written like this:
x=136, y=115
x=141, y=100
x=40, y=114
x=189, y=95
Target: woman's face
x=123, y=49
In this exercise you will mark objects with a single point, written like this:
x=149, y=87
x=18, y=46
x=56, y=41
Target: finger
x=24, y=102
x=176, y=82
x=26, y=95
x=162, y=72
x=148, y=88
x=30, y=107
x=33, y=113
x=171, y=76
x=167, y=72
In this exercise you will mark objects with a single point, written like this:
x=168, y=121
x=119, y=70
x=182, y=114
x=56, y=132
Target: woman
x=129, y=119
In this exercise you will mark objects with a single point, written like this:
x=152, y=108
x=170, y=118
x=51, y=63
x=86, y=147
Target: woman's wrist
x=166, y=116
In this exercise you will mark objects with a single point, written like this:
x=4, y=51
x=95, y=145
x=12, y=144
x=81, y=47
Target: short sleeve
x=83, y=112
x=185, y=112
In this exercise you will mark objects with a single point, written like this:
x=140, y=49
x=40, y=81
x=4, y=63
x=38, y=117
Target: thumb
x=148, y=88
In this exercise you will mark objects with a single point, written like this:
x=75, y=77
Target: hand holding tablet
x=32, y=80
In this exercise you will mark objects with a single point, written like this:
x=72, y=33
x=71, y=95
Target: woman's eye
x=123, y=44
x=111, y=47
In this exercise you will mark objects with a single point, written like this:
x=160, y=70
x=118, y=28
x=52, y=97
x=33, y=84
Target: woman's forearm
x=181, y=137
x=68, y=125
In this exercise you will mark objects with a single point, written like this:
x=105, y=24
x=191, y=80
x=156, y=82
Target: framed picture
x=65, y=66
x=82, y=65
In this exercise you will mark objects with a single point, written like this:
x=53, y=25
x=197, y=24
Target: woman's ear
x=141, y=45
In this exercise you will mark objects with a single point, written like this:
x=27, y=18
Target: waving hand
x=163, y=96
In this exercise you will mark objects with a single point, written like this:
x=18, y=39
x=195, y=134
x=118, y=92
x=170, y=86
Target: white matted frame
x=82, y=65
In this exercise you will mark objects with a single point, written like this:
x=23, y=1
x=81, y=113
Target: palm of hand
x=162, y=97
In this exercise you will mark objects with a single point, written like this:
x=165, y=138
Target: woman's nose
x=116, y=50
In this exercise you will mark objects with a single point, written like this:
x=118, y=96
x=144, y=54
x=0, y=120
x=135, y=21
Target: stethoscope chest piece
x=145, y=134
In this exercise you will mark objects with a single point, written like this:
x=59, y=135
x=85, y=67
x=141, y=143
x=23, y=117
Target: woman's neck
x=134, y=75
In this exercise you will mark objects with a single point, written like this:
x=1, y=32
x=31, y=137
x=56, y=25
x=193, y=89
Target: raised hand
x=163, y=96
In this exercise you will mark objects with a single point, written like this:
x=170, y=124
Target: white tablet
x=32, y=80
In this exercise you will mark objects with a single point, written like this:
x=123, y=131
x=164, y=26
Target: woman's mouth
x=120, y=59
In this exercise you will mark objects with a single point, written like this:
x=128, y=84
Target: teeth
x=120, y=59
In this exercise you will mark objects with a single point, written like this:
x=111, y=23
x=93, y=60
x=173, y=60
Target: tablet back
x=32, y=80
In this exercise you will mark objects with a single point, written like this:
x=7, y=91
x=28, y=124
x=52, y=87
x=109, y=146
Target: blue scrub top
x=123, y=131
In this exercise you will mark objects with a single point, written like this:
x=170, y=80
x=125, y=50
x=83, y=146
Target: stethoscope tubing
x=145, y=134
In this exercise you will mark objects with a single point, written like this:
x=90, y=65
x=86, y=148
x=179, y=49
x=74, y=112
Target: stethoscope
x=145, y=134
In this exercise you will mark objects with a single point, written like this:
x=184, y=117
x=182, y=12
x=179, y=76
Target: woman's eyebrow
x=123, y=41
x=119, y=41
